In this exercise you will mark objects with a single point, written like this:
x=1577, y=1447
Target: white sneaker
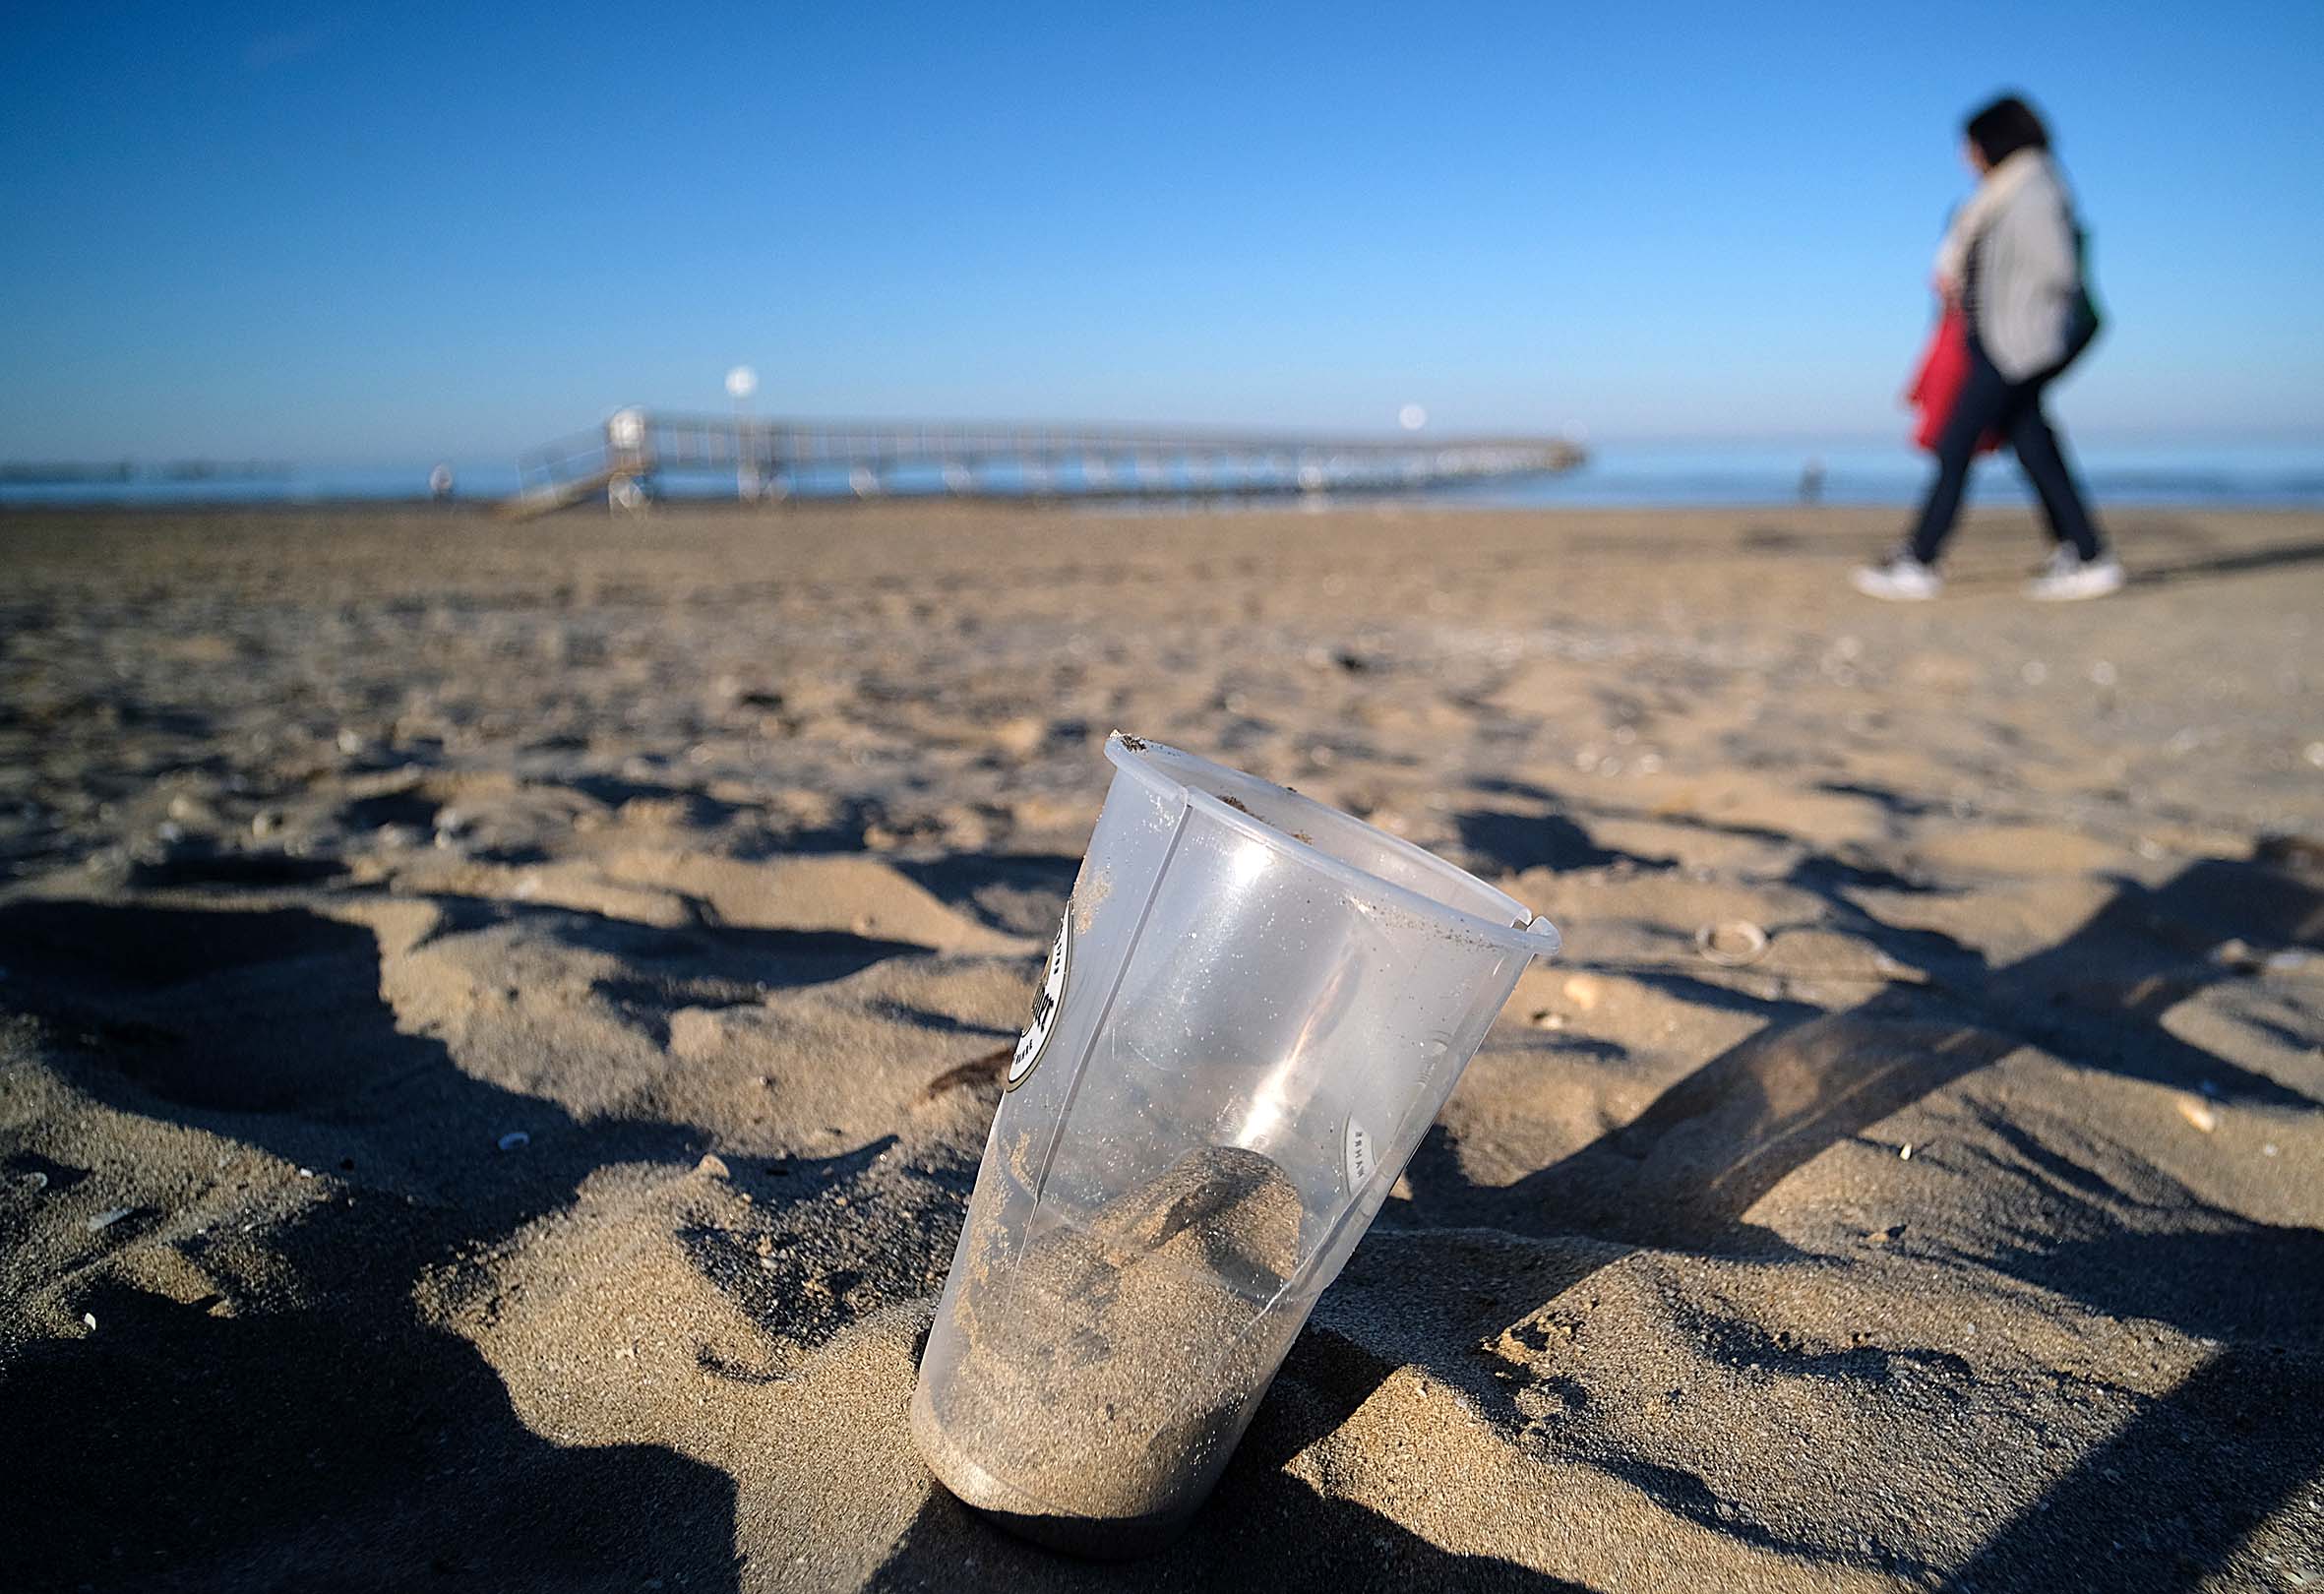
x=2070, y=578
x=1899, y=578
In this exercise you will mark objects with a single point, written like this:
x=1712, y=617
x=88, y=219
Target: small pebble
x=513, y=1139
x=37, y=1182
x=2197, y=1112
x=1905, y=1152
x=712, y=1165
x=89, y=1317
x=107, y=1218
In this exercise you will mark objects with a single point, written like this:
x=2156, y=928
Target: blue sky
x=394, y=232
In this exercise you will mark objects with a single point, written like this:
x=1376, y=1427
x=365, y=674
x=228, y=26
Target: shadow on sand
x=318, y=1430
x=2185, y=1482
x=281, y=1417
x=2162, y=1505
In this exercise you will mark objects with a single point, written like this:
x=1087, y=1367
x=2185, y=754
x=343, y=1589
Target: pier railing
x=636, y=448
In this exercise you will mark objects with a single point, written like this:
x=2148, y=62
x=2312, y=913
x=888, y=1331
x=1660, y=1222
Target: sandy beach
x=498, y=1025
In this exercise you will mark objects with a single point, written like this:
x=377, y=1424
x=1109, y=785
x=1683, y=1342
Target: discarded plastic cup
x=1252, y=1012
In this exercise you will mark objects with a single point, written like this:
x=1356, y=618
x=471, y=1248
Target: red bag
x=1936, y=386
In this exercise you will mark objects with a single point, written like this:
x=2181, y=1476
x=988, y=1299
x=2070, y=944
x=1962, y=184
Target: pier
x=625, y=459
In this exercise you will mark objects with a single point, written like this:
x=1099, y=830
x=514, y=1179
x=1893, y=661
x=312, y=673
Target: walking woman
x=2011, y=264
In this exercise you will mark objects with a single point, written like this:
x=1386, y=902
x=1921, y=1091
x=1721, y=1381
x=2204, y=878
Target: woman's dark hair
x=2005, y=127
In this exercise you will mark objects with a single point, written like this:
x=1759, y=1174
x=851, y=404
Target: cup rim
x=1534, y=936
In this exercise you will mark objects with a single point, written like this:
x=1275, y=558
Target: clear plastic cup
x=1253, y=1010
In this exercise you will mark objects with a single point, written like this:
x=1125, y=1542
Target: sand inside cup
x=1103, y=1377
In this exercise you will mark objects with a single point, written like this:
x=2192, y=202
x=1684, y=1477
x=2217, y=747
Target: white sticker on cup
x=1046, y=1002
x=1362, y=1157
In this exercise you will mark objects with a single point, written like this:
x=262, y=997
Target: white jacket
x=2022, y=274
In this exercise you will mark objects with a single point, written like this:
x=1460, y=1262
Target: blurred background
x=344, y=244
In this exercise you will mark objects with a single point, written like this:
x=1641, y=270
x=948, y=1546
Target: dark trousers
x=1991, y=402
